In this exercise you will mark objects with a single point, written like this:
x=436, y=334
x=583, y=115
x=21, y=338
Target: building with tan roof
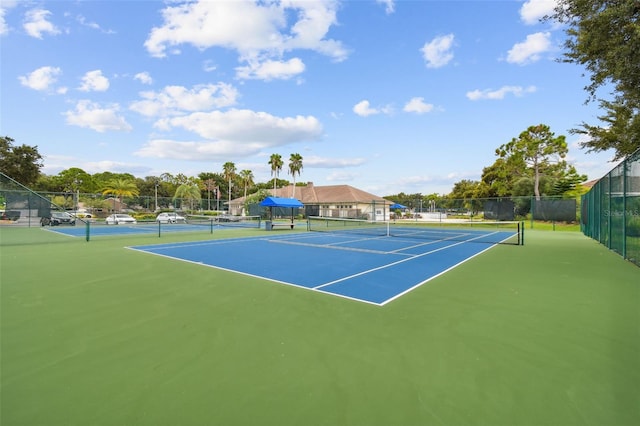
x=330, y=201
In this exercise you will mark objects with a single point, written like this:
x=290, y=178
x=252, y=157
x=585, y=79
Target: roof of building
x=333, y=194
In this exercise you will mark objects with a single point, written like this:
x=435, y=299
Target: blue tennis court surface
x=369, y=269
x=150, y=228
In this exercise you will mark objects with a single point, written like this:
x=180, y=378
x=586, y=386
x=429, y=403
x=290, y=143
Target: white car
x=82, y=213
x=170, y=218
x=117, y=219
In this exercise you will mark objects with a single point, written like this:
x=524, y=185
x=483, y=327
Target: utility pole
x=156, y=187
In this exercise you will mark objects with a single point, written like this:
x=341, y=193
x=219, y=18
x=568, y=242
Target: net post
x=521, y=232
x=87, y=230
x=159, y=226
x=211, y=225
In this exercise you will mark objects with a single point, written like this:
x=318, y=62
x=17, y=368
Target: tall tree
x=275, y=161
x=75, y=179
x=121, y=188
x=21, y=163
x=247, y=180
x=497, y=179
x=464, y=189
x=295, y=167
x=537, y=149
x=229, y=172
x=620, y=129
x=210, y=185
x=604, y=37
x=212, y=182
x=189, y=192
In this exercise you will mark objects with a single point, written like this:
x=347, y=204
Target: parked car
x=58, y=218
x=170, y=218
x=82, y=213
x=228, y=218
x=117, y=219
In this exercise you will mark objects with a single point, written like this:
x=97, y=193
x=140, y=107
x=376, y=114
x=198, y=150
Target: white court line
x=337, y=247
x=395, y=263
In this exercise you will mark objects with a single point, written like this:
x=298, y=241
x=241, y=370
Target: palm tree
x=229, y=172
x=295, y=166
x=120, y=188
x=247, y=180
x=276, y=165
x=189, y=192
x=210, y=185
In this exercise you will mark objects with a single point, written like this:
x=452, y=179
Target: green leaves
x=604, y=38
x=21, y=163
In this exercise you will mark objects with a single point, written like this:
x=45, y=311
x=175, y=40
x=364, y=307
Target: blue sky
x=386, y=95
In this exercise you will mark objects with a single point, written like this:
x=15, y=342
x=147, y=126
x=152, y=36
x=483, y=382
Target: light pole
x=77, y=183
x=156, y=185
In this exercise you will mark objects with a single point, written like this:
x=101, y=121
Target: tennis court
x=95, y=333
x=358, y=260
x=194, y=223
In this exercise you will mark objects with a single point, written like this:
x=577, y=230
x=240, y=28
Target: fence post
x=532, y=204
x=624, y=208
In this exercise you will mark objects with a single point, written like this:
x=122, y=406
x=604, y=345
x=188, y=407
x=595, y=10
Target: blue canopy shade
x=281, y=202
x=397, y=206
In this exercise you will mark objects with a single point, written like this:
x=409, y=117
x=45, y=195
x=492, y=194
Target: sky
x=388, y=96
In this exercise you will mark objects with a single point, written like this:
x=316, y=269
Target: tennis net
x=225, y=220
x=501, y=232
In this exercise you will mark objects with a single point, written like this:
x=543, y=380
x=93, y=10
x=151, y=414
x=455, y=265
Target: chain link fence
x=611, y=209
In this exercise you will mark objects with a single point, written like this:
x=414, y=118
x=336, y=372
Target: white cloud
x=5, y=5
x=332, y=163
x=196, y=151
x=41, y=79
x=418, y=106
x=143, y=77
x=91, y=115
x=276, y=28
x=174, y=100
x=533, y=10
x=530, y=50
x=437, y=52
x=94, y=81
x=233, y=142
x=245, y=127
x=364, y=109
x=93, y=25
x=490, y=94
x=36, y=23
x=342, y=177
x=271, y=70
x=209, y=66
x=114, y=166
x=390, y=6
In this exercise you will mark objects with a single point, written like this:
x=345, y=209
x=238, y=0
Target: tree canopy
x=604, y=37
x=229, y=172
x=537, y=151
x=189, y=193
x=120, y=188
x=275, y=161
x=21, y=163
x=295, y=167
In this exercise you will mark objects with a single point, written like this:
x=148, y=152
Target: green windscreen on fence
x=611, y=209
